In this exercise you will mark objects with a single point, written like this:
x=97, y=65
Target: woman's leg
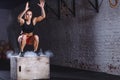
x=36, y=42
x=20, y=39
x=23, y=42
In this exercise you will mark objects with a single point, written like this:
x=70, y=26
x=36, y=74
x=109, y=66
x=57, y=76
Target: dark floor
x=62, y=73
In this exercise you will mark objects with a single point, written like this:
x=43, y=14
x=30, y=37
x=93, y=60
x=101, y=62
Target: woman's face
x=28, y=15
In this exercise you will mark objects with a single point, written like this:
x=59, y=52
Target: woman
x=28, y=23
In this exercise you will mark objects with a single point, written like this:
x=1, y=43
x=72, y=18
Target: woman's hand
x=27, y=6
x=42, y=3
x=43, y=15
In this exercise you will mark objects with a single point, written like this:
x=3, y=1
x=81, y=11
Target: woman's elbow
x=44, y=16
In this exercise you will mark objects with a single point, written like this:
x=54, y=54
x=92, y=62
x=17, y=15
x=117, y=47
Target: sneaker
x=21, y=54
x=36, y=53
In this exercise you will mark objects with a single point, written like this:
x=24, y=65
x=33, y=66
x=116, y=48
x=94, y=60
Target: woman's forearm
x=21, y=14
x=43, y=14
x=26, y=8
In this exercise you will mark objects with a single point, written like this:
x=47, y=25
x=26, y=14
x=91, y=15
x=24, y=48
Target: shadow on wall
x=86, y=17
x=87, y=37
x=72, y=39
x=13, y=31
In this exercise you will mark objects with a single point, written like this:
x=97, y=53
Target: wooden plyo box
x=29, y=68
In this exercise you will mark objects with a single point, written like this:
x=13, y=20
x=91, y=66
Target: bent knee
x=24, y=37
x=20, y=38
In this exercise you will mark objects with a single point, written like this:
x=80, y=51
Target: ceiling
x=10, y=4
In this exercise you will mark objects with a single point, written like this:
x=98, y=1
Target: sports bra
x=28, y=28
